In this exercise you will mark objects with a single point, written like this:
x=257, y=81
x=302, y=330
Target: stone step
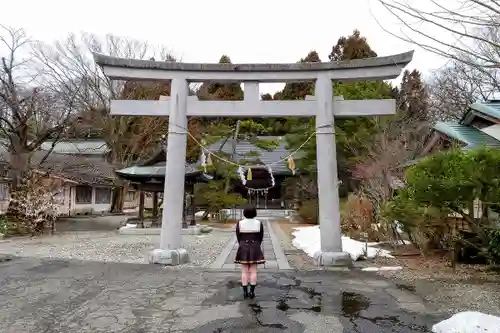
x=237, y=214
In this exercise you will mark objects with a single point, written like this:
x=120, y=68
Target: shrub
x=494, y=246
x=357, y=219
x=309, y=211
x=446, y=185
x=4, y=226
x=427, y=227
x=33, y=206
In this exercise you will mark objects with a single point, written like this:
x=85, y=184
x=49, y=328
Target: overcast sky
x=201, y=30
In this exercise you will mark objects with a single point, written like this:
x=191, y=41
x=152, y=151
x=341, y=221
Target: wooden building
x=82, y=169
x=264, y=189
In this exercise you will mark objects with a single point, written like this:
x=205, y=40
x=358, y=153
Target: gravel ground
x=108, y=246
x=470, y=288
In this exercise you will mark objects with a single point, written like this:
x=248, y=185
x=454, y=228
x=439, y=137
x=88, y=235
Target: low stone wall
x=237, y=214
x=133, y=230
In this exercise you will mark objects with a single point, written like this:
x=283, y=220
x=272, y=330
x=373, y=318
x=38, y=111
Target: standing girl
x=249, y=233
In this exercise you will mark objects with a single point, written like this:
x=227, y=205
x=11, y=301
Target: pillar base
x=333, y=259
x=169, y=257
x=192, y=230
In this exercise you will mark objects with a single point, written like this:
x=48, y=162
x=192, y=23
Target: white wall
x=87, y=208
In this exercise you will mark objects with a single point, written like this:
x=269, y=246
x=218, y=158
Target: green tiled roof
x=466, y=134
x=491, y=109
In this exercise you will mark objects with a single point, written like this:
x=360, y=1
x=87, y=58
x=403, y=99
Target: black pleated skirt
x=249, y=253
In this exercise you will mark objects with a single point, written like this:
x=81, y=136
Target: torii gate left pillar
x=322, y=106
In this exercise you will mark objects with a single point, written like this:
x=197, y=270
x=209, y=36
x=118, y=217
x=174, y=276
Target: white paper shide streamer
x=241, y=173
x=271, y=174
x=204, y=160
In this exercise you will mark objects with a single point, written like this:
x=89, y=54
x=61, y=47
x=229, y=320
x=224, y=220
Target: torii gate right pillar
x=331, y=253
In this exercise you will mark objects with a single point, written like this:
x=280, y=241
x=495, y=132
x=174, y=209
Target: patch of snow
x=399, y=227
x=307, y=239
x=383, y=268
x=468, y=322
x=128, y=225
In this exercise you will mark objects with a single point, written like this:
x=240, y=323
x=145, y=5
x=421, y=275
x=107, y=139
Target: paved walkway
x=59, y=296
x=273, y=253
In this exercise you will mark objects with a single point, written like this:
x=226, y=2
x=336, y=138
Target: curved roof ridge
x=466, y=134
x=401, y=59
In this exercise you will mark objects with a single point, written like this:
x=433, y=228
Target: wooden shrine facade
x=151, y=178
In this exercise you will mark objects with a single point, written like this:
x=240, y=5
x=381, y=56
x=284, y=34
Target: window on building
x=83, y=195
x=102, y=195
x=131, y=195
x=59, y=196
x=4, y=192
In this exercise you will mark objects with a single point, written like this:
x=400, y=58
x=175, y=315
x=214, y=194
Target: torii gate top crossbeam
x=379, y=68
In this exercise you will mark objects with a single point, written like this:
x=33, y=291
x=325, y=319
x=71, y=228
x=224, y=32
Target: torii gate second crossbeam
x=322, y=105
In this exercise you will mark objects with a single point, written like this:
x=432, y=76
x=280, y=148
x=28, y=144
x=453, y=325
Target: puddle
x=282, y=305
x=398, y=324
x=316, y=308
x=256, y=308
x=279, y=298
x=406, y=287
x=292, y=297
x=353, y=304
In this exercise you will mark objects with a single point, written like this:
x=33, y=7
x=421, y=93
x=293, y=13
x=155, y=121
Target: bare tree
x=130, y=139
x=465, y=32
x=465, y=25
x=454, y=87
x=380, y=170
x=32, y=110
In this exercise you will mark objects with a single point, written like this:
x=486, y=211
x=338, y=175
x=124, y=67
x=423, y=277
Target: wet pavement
x=78, y=296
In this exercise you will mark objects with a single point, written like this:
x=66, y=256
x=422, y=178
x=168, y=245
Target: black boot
x=245, y=292
x=252, y=291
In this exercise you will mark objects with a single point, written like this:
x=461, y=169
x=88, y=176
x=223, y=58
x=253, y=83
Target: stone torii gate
x=323, y=106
